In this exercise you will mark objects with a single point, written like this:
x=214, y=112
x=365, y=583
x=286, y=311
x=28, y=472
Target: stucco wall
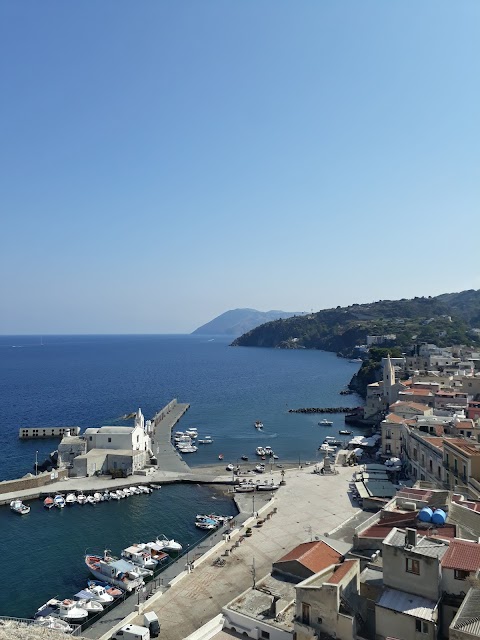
x=251, y=626
x=388, y=623
x=395, y=575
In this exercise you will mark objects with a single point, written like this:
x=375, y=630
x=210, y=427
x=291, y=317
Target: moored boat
x=59, y=501
x=17, y=506
x=81, y=498
x=52, y=622
x=345, y=432
x=220, y=456
x=325, y=423
x=90, y=605
x=120, y=573
x=48, y=502
x=106, y=586
x=139, y=556
x=97, y=594
x=71, y=498
x=267, y=487
x=244, y=488
x=168, y=545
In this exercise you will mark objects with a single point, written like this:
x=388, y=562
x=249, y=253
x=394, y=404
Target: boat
x=120, y=573
x=260, y=451
x=244, y=457
x=268, y=450
x=81, y=498
x=327, y=448
x=71, y=498
x=97, y=496
x=90, y=500
x=59, y=501
x=345, y=432
x=325, y=423
x=333, y=442
x=48, y=502
x=109, y=589
x=139, y=556
x=97, y=594
x=90, y=605
x=135, y=490
x=205, y=441
x=120, y=493
x=126, y=492
x=155, y=550
x=106, y=495
x=51, y=622
x=168, y=545
x=17, y=506
x=260, y=468
x=274, y=456
x=155, y=486
x=229, y=467
x=220, y=456
x=267, y=487
x=67, y=610
x=206, y=523
x=258, y=424
x=245, y=488
x=191, y=433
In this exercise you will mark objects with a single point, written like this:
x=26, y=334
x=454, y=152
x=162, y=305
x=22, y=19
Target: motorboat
x=155, y=550
x=268, y=450
x=325, y=423
x=155, y=486
x=67, y=610
x=90, y=500
x=139, y=556
x=143, y=489
x=191, y=433
x=326, y=448
x=48, y=502
x=275, y=457
x=187, y=449
x=245, y=458
x=205, y=441
x=59, y=501
x=90, y=605
x=118, y=572
x=260, y=468
x=96, y=593
x=17, y=506
x=258, y=424
x=120, y=493
x=345, y=432
x=260, y=451
x=333, y=442
x=245, y=488
x=135, y=491
x=126, y=492
x=207, y=524
x=168, y=545
x=267, y=487
x=71, y=498
x=229, y=467
x=220, y=456
x=106, y=495
x=97, y=496
x=52, y=622
x=81, y=498
x=109, y=589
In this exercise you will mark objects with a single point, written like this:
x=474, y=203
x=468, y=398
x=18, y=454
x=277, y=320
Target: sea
x=90, y=381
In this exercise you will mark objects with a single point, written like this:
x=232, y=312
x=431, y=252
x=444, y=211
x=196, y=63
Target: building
x=392, y=434
x=409, y=410
x=459, y=565
x=423, y=454
x=466, y=624
x=307, y=560
x=462, y=465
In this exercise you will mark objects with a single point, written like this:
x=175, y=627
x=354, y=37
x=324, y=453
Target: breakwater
x=323, y=410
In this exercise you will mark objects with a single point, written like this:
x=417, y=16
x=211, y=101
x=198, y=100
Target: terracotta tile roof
x=413, y=405
x=416, y=392
x=313, y=555
x=376, y=531
x=436, y=442
x=463, y=445
x=341, y=571
x=392, y=417
x=463, y=555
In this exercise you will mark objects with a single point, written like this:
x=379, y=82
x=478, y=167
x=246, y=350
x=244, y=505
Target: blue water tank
x=425, y=515
x=439, y=516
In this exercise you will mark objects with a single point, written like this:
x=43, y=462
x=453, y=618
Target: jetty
x=323, y=410
x=168, y=458
x=37, y=433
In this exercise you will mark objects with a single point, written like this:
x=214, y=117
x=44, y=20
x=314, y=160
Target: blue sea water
x=92, y=380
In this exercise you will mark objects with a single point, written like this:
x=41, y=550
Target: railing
x=39, y=628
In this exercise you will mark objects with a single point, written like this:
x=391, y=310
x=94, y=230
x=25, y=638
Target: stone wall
x=31, y=482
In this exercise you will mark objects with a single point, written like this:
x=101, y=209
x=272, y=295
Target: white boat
x=326, y=448
x=332, y=441
x=120, y=573
x=260, y=451
x=95, y=593
x=325, y=423
x=229, y=467
x=188, y=449
x=59, y=501
x=90, y=605
x=114, y=495
x=191, y=433
x=155, y=486
x=267, y=487
x=68, y=610
x=126, y=492
x=205, y=441
x=17, y=506
x=258, y=424
x=134, y=491
x=97, y=496
x=120, y=494
x=268, y=451
x=260, y=468
x=106, y=495
x=139, y=556
x=71, y=498
x=244, y=488
x=90, y=500
x=81, y=498
x=52, y=622
x=207, y=524
x=168, y=545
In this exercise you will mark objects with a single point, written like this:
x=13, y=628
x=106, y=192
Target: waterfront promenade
x=168, y=458
x=309, y=505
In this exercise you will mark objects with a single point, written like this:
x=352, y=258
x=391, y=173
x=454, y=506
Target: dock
x=37, y=433
x=168, y=458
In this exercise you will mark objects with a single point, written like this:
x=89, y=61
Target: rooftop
x=413, y=405
x=461, y=444
x=468, y=616
x=463, y=555
x=409, y=604
x=341, y=571
x=427, y=547
x=392, y=417
x=313, y=555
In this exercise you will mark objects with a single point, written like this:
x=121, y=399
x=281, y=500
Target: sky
x=164, y=161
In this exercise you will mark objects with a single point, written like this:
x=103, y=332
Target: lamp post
x=36, y=463
x=253, y=503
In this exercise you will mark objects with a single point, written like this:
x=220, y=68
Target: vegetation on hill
x=444, y=320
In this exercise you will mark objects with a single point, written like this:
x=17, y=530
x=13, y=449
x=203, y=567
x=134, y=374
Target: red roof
x=382, y=530
x=341, y=571
x=316, y=556
x=463, y=555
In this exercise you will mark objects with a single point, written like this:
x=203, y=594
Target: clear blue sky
x=164, y=161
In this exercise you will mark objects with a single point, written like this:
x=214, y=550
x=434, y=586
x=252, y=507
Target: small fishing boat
x=106, y=495
x=205, y=440
x=139, y=556
x=109, y=589
x=95, y=594
x=71, y=498
x=90, y=605
x=258, y=424
x=207, y=524
x=81, y=498
x=245, y=488
x=17, y=506
x=260, y=468
x=67, y=610
x=267, y=487
x=168, y=545
x=220, y=456
x=325, y=423
x=119, y=572
x=97, y=496
x=134, y=491
x=90, y=500
x=333, y=442
x=326, y=448
x=260, y=451
x=229, y=467
x=48, y=502
x=244, y=457
x=52, y=622
x=274, y=456
x=120, y=493
x=59, y=501
x=143, y=489
x=155, y=486
x=114, y=495
x=345, y=432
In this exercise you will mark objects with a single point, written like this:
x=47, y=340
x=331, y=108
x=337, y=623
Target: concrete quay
x=168, y=458
x=309, y=505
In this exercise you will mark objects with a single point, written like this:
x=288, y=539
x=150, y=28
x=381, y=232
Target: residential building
x=423, y=455
x=392, y=434
x=462, y=465
x=307, y=560
x=466, y=624
x=409, y=410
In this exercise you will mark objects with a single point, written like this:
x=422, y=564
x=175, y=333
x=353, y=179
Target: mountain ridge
x=236, y=322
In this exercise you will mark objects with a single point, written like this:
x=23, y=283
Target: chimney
x=273, y=606
x=411, y=538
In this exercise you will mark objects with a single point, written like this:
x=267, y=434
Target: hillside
x=446, y=319
x=238, y=321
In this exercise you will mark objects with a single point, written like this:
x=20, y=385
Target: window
x=90, y=438
x=319, y=620
x=413, y=566
x=424, y=627
x=460, y=575
x=109, y=439
x=265, y=634
x=305, y=613
x=418, y=626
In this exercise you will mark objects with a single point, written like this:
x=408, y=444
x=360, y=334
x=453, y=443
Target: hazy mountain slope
x=238, y=321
